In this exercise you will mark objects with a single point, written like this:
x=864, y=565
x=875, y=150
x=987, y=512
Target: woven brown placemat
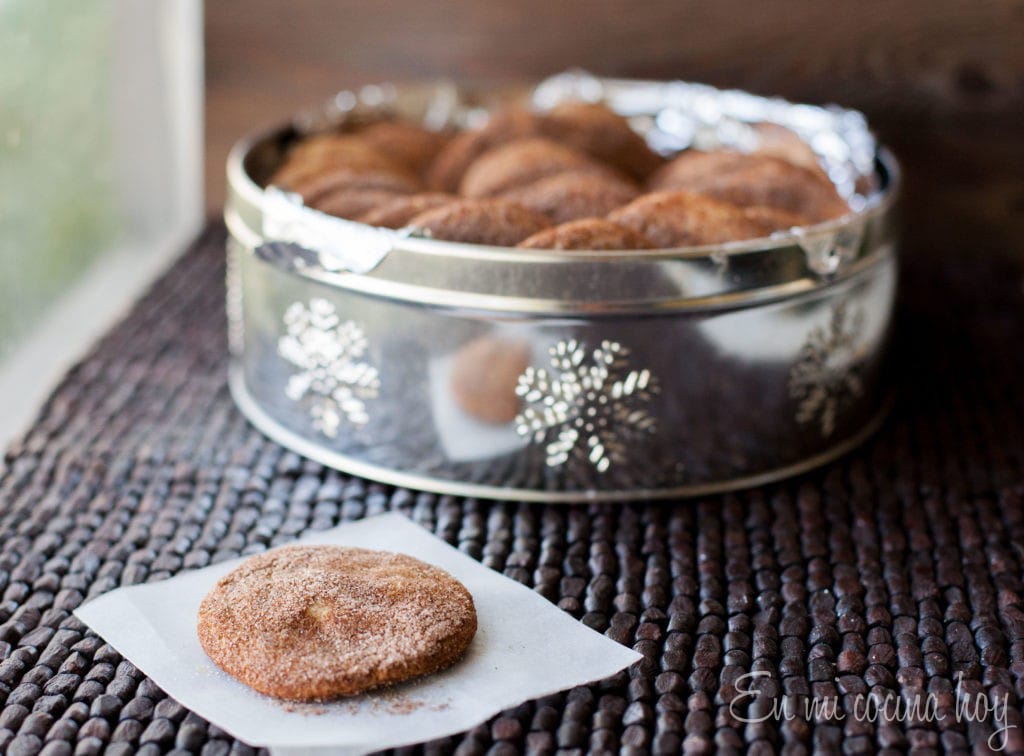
x=896, y=570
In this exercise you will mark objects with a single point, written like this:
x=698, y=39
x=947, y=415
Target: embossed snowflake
x=332, y=380
x=589, y=404
x=827, y=376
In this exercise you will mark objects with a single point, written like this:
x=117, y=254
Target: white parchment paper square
x=525, y=647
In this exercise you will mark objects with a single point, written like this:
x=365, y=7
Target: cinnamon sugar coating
x=754, y=179
x=409, y=144
x=318, y=186
x=481, y=221
x=574, y=194
x=323, y=153
x=398, y=211
x=309, y=623
x=351, y=203
x=446, y=171
x=676, y=219
x=778, y=141
x=603, y=134
x=772, y=219
x=521, y=162
x=587, y=234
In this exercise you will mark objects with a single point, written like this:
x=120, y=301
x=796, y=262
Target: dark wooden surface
x=942, y=81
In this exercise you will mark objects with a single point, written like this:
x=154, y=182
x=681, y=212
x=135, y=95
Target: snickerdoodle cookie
x=677, y=219
x=521, y=162
x=603, y=134
x=446, y=171
x=480, y=221
x=398, y=211
x=573, y=195
x=312, y=623
x=410, y=144
x=593, y=234
x=752, y=180
x=321, y=155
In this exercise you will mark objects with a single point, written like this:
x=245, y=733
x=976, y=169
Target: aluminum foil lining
x=342, y=245
x=678, y=115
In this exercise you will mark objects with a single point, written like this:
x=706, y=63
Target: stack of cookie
x=574, y=177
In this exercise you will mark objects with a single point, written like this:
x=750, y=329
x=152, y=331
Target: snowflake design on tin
x=333, y=380
x=589, y=404
x=827, y=375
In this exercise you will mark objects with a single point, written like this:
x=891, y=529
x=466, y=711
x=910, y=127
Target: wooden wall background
x=942, y=80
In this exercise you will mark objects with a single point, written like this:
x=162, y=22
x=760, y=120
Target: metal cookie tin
x=645, y=374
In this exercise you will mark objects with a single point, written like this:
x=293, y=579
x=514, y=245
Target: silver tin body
x=647, y=374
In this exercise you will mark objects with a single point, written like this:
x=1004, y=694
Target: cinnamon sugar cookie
x=351, y=203
x=772, y=219
x=323, y=153
x=400, y=210
x=587, y=234
x=312, y=623
x=314, y=188
x=603, y=134
x=481, y=221
x=407, y=143
x=446, y=171
x=521, y=162
x=573, y=195
x=778, y=141
x=750, y=180
x=677, y=219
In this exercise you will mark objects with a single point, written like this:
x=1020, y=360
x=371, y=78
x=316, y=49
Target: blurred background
x=116, y=116
x=101, y=181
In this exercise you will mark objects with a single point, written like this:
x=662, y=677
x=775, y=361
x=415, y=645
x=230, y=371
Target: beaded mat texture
x=897, y=569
